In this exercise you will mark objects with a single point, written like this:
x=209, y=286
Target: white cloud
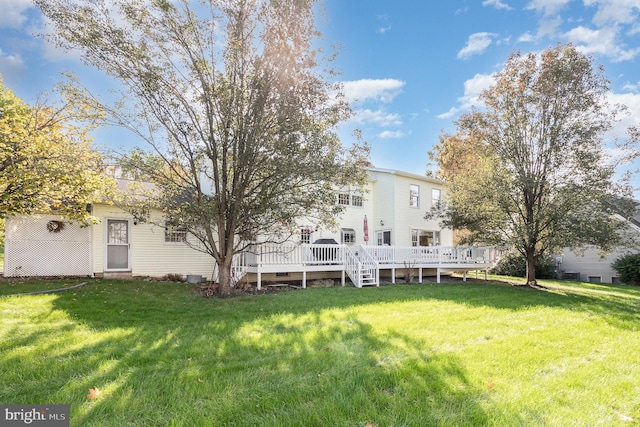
x=383, y=30
x=547, y=7
x=614, y=12
x=497, y=4
x=378, y=117
x=548, y=26
x=388, y=134
x=602, y=42
x=383, y=90
x=526, y=38
x=630, y=118
x=13, y=13
x=631, y=87
x=471, y=98
x=11, y=66
x=477, y=43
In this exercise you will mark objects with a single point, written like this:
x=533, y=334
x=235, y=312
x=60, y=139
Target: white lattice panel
x=32, y=250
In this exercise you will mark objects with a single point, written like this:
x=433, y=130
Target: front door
x=118, y=245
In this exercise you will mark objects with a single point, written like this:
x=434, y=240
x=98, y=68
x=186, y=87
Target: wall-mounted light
x=382, y=223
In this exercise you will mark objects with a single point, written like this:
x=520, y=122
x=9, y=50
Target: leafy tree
x=231, y=98
x=46, y=160
x=514, y=264
x=628, y=267
x=529, y=171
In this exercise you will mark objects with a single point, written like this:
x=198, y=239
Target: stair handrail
x=369, y=262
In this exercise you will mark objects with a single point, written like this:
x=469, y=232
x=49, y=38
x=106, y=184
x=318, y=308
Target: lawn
x=447, y=354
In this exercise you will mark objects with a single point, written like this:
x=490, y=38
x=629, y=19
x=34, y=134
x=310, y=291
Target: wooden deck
x=362, y=264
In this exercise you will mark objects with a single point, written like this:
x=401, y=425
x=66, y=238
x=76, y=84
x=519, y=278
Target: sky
x=410, y=68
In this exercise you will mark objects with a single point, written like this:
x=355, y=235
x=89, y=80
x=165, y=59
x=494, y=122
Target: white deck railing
x=290, y=254
x=432, y=254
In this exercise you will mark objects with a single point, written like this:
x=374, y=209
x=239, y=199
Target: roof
x=407, y=175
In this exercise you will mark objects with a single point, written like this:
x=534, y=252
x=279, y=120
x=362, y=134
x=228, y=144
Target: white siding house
x=395, y=204
x=382, y=228
x=590, y=265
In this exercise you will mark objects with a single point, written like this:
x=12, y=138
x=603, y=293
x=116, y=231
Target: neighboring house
x=396, y=236
x=593, y=266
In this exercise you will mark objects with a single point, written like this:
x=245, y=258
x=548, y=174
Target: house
x=382, y=229
x=590, y=265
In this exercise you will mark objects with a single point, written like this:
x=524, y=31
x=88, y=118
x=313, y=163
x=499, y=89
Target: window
x=436, y=196
x=173, y=234
x=348, y=235
x=425, y=238
x=305, y=235
x=349, y=199
x=414, y=196
x=595, y=279
x=383, y=238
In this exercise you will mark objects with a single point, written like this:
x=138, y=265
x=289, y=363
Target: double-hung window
x=347, y=235
x=173, y=234
x=414, y=196
x=436, y=197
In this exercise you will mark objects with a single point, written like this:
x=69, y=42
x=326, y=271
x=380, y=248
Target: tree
x=231, y=99
x=530, y=171
x=46, y=160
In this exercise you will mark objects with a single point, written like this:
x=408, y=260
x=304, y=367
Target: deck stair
x=361, y=267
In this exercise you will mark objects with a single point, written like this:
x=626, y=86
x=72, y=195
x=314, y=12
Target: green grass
x=407, y=355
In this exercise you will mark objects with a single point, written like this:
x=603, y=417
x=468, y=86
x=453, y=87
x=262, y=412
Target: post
x=304, y=279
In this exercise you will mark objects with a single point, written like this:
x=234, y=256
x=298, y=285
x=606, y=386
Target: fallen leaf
x=326, y=349
x=94, y=393
x=490, y=384
x=625, y=417
x=200, y=381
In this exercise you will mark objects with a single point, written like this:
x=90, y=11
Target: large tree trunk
x=224, y=276
x=531, y=268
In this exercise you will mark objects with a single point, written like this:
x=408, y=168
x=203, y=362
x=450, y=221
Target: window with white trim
x=173, y=234
x=343, y=199
x=356, y=200
x=436, y=197
x=347, y=235
x=425, y=238
x=305, y=234
x=414, y=196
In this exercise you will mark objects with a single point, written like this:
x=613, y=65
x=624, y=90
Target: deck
x=362, y=264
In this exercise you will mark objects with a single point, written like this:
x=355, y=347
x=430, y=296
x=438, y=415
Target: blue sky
x=409, y=67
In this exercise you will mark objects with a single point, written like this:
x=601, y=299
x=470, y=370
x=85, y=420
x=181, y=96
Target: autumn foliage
x=46, y=160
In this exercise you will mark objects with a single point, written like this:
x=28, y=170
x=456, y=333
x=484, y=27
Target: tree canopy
x=530, y=170
x=235, y=105
x=47, y=163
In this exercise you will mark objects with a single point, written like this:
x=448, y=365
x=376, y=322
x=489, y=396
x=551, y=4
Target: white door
x=118, y=245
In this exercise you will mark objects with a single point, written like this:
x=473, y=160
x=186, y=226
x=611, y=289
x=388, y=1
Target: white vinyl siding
x=150, y=255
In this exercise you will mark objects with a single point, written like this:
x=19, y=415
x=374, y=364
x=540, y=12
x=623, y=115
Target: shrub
x=514, y=264
x=173, y=277
x=628, y=268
